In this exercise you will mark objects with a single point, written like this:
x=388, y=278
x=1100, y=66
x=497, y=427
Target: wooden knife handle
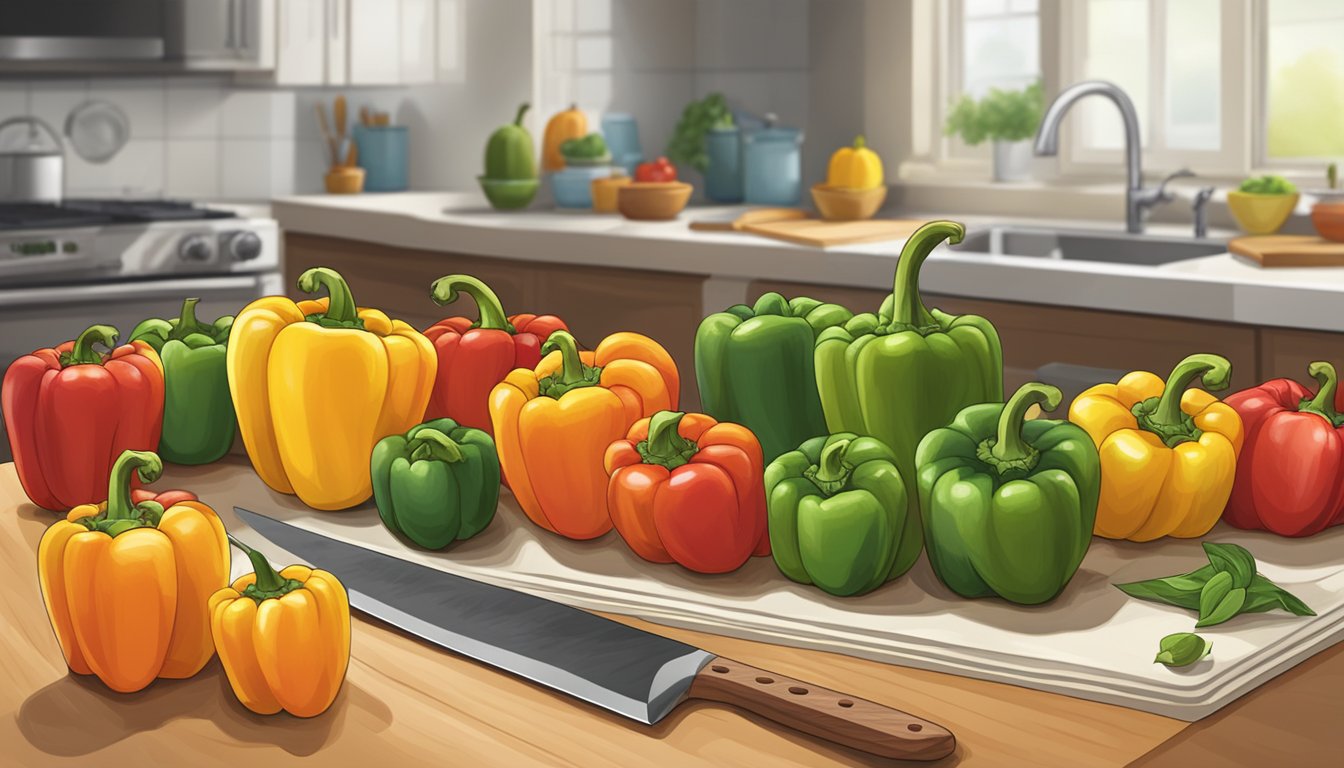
x=821, y=712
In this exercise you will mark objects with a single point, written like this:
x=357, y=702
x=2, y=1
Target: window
x=1304, y=80
x=1000, y=44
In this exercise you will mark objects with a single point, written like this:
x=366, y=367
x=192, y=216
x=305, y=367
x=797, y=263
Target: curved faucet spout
x=1047, y=137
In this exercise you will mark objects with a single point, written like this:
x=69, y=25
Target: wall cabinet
x=357, y=42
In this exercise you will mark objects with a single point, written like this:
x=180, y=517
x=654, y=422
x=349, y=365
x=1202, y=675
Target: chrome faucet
x=1199, y=205
x=1138, y=199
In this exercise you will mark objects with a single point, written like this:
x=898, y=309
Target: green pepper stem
x=860, y=142
x=1010, y=445
x=83, y=353
x=120, y=505
x=771, y=303
x=268, y=580
x=831, y=465
x=492, y=317
x=908, y=308
x=187, y=323
x=665, y=446
x=1324, y=401
x=433, y=444
x=571, y=366
x=342, y=307
x=1216, y=372
x=522, y=110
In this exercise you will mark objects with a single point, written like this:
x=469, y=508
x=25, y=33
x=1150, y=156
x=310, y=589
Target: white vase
x=1012, y=160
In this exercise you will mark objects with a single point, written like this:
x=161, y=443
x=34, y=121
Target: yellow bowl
x=652, y=200
x=847, y=203
x=1261, y=214
x=605, y=191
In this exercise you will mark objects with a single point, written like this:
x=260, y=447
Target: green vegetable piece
x=687, y=145
x=1332, y=176
x=1182, y=649
x=1269, y=184
x=1232, y=559
x=585, y=148
x=510, y=154
x=1215, y=590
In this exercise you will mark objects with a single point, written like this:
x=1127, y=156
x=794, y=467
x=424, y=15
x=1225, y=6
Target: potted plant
x=1008, y=118
x=1263, y=203
x=706, y=139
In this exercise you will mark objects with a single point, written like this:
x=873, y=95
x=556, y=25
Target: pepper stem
x=860, y=142
x=831, y=465
x=522, y=110
x=771, y=303
x=571, y=365
x=1323, y=404
x=433, y=444
x=492, y=317
x=120, y=505
x=187, y=323
x=341, y=309
x=268, y=580
x=1010, y=445
x=1216, y=372
x=83, y=353
x=665, y=446
x=908, y=308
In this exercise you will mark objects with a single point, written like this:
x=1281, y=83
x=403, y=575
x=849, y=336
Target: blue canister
x=573, y=186
x=723, y=176
x=384, y=155
x=772, y=165
x=622, y=136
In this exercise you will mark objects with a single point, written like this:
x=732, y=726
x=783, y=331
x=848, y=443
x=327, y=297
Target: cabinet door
x=208, y=29
x=417, y=41
x=450, y=43
x=337, y=18
x=301, y=42
x=374, y=35
x=1285, y=353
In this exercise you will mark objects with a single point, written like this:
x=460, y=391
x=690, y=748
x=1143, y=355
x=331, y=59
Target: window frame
x=1259, y=48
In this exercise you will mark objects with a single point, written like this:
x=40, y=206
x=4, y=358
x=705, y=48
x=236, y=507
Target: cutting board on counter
x=795, y=225
x=1289, y=250
x=1093, y=641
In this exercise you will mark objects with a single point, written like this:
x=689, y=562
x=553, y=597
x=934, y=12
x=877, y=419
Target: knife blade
x=639, y=675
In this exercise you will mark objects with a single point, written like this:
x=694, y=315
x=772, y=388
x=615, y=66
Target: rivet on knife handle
x=821, y=712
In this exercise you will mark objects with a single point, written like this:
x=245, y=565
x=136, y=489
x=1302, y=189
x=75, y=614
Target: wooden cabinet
x=594, y=301
x=1286, y=352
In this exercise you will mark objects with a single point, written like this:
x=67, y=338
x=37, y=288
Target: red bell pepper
x=686, y=489
x=71, y=411
x=658, y=170
x=1290, y=474
x=475, y=356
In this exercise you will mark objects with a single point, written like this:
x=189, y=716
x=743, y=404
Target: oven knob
x=244, y=246
x=194, y=248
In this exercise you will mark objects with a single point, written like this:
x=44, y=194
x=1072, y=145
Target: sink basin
x=1085, y=245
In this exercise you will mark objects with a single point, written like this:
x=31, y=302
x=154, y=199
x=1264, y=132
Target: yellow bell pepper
x=856, y=167
x=316, y=384
x=283, y=638
x=1168, y=454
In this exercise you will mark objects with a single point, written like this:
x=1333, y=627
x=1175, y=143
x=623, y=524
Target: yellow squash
x=1168, y=454
x=316, y=384
x=563, y=126
x=856, y=167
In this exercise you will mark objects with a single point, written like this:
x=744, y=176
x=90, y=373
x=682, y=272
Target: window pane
x=1000, y=52
x=1305, y=78
x=1193, y=80
x=1117, y=50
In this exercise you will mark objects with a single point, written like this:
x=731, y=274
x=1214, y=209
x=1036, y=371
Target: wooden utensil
x=754, y=216
x=352, y=155
x=339, y=112
x=333, y=146
x=1289, y=250
x=826, y=234
x=365, y=117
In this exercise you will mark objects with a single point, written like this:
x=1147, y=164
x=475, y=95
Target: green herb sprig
x=1269, y=184
x=1001, y=115
x=687, y=145
x=1182, y=649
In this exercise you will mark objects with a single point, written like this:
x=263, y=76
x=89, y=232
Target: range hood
x=83, y=30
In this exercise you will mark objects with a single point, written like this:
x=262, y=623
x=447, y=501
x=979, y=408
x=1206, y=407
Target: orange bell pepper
x=283, y=638
x=126, y=582
x=686, y=489
x=553, y=424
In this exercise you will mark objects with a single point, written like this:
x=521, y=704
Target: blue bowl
x=572, y=187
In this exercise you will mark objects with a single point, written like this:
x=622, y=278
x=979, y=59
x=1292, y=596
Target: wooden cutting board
x=1289, y=250
x=825, y=234
x=755, y=216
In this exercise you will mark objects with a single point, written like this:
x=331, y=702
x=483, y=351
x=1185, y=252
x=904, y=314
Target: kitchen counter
x=410, y=703
x=1221, y=288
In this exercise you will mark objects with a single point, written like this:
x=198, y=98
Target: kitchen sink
x=1084, y=245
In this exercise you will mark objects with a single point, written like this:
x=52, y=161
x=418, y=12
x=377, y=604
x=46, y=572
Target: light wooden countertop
x=406, y=703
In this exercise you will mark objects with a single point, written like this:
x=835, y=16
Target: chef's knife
x=631, y=672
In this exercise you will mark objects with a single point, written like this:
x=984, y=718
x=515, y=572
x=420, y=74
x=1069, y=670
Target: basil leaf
x=1182, y=649
x=1264, y=595
x=1228, y=606
x=1215, y=589
x=1181, y=591
x=1233, y=559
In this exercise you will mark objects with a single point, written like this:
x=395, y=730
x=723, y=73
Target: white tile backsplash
x=193, y=110
x=245, y=168
x=142, y=99
x=52, y=100
x=135, y=171
x=192, y=168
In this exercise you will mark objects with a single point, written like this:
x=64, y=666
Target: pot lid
x=774, y=133
x=29, y=135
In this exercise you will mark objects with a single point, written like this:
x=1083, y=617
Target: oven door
x=33, y=318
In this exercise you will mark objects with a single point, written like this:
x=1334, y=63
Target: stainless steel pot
x=31, y=170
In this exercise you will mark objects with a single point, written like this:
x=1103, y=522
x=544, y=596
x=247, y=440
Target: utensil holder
x=384, y=152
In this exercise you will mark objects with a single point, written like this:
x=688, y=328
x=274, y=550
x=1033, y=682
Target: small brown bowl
x=652, y=200
x=847, y=204
x=345, y=180
x=1328, y=218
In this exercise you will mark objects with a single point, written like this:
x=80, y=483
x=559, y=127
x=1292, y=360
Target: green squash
x=509, y=154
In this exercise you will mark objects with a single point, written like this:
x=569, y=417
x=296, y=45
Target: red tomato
x=658, y=170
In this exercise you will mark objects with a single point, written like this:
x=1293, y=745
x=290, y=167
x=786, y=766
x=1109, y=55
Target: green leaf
x=1224, y=608
x=1264, y=595
x=1215, y=589
x=1182, y=649
x=1232, y=559
x=1181, y=591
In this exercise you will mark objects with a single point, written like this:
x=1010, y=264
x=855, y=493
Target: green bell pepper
x=837, y=508
x=509, y=152
x=437, y=484
x=754, y=367
x=907, y=370
x=1008, y=504
x=198, y=417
